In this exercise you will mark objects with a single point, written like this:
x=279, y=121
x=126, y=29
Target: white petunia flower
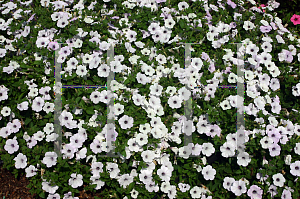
x=30, y=171
x=87, y=58
x=228, y=182
x=118, y=109
x=227, y=149
x=126, y=122
x=21, y=161
x=5, y=111
x=103, y=70
x=50, y=159
x=185, y=152
x=142, y=139
x=37, y=104
x=76, y=180
x=49, y=128
x=61, y=23
x=208, y=149
x=196, y=192
x=278, y=180
x=164, y=173
x=175, y=102
x=225, y=105
x=125, y=180
x=243, y=159
x=48, y=107
x=232, y=78
x=169, y=23
x=95, y=97
x=145, y=176
x=81, y=70
x=238, y=187
x=88, y=20
x=208, y=172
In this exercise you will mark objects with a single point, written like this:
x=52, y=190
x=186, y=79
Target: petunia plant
x=153, y=85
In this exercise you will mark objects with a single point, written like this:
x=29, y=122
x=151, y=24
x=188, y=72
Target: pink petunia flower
x=295, y=19
x=263, y=5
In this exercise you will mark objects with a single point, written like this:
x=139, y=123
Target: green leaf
x=179, y=169
x=77, y=100
x=29, y=186
x=182, y=23
x=66, y=165
x=63, y=99
x=72, y=30
x=27, y=121
x=269, y=172
x=47, y=116
x=28, y=46
x=238, y=171
x=186, y=166
x=76, y=190
x=290, y=183
x=119, y=190
x=65, y=189
x=81, y=103
x=214, y=186
x=89, y=82
x=127, y=81
x=90, y=110
x=42, y=195
x=130, y=187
